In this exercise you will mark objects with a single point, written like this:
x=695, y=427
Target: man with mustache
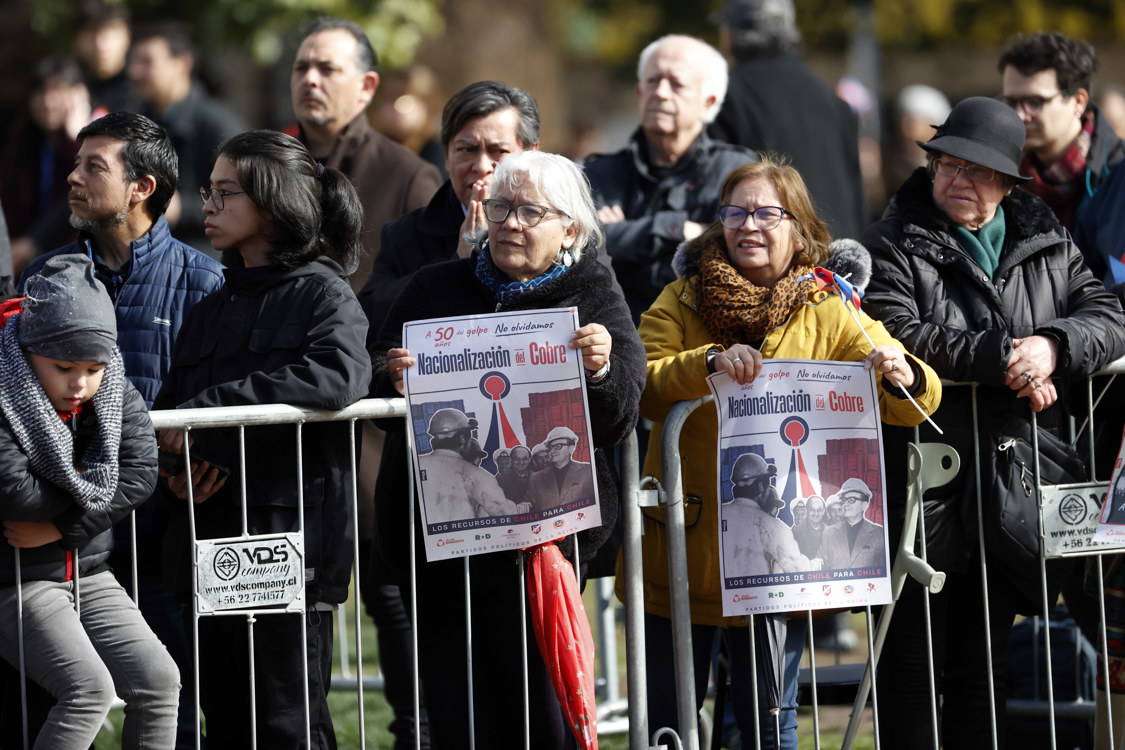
x=121, y=184
x=663, y=187
x=333, y=81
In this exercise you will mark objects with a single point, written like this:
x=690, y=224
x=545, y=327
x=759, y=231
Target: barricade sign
x=250, y=573
x=1070, y=518
x=802, y=517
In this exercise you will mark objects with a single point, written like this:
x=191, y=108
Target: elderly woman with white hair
x=540, y=252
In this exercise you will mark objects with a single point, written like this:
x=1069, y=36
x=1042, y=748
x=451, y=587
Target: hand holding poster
x=500, y=431
x=802, y=508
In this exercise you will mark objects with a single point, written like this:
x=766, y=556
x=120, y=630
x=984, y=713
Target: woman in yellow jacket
x=742, y=295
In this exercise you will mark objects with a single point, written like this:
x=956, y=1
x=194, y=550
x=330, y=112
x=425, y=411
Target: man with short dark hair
x=102, y=46
x=663, y=187
x=1070, y=147
x=161, y=66
x=481, y=125
x=122, y=182
x=776, y=103
x=332, y=83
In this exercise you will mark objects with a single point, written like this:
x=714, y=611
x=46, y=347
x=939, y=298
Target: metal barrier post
x=687, y=714
x=631, y=522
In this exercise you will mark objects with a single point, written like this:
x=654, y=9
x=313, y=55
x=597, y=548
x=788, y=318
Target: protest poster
x=500, y=431
x=802, y=508
x=1111, y=522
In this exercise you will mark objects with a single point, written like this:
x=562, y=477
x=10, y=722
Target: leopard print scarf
x=734, y=310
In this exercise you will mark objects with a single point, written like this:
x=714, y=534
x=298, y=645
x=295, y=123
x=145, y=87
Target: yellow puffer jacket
x=676, y=342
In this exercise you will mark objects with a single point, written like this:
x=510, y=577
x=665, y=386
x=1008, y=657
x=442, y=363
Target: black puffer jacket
x=656, y=203
x=271, y=336
x=24, y=496
x=938, y=302
x=450, y=288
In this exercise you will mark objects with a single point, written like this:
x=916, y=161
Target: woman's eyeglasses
x=765, y=218
x=974, y=172
x=528, y=214
x=217, y=195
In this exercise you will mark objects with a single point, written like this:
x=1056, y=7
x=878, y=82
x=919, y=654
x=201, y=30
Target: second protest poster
x=802, y=516
x=500, y=431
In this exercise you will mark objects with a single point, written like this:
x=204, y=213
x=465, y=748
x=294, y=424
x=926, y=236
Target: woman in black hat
x=979, y=280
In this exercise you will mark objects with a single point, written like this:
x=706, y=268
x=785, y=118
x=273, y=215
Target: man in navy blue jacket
x=123, y=179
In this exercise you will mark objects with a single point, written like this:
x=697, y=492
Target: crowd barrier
x=930, y=467
x=932, y=464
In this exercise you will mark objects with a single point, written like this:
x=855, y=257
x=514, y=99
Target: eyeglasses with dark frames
x=975, y=172
x=765, y=218
x=1033, y=105
x=218, y=195
x=527, y=214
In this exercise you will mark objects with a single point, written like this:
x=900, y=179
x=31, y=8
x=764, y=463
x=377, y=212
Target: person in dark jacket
x=776, y=103
x=39, y=151
x=285, y=328
x=161, y=67
x=663, y=187
x=78, y=453
x=481, y=124
x=979, y=280
x=540, y=252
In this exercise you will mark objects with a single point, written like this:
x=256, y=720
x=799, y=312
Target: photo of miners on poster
x=802, y=508
x=500, y=431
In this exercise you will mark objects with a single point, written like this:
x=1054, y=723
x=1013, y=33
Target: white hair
x=711, y=62
x=562, y=185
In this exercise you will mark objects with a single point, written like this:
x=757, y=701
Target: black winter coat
x=271, y=336
x=613, y=401
x=24, y=496
x=656, y=203
x=939, y=303
x=776, y=103
x=420, y=238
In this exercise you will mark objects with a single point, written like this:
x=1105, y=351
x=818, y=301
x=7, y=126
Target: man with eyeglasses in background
x=663, y=187
x=1070, y=146
x=123, y=179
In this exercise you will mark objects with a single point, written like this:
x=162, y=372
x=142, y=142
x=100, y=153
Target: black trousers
x=497, y=670
x=280, y=705
x=960, y=663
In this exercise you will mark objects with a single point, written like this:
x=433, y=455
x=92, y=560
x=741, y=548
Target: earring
x=567, y=258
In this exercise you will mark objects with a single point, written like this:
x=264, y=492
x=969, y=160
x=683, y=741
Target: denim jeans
x=662, y=682
x=83, y=662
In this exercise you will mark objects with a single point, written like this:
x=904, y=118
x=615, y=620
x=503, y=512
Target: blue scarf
x=506, y=291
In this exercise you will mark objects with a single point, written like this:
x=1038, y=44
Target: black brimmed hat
x=982, y=131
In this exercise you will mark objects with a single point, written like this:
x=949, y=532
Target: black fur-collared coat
x=938, y=302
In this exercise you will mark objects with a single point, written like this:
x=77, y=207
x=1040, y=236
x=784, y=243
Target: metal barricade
x=349, y=674
x=909, y=561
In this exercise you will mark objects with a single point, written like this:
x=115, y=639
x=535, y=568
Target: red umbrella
x=565, y=641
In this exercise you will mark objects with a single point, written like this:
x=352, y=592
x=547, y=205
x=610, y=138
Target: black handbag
x=1011, y=509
